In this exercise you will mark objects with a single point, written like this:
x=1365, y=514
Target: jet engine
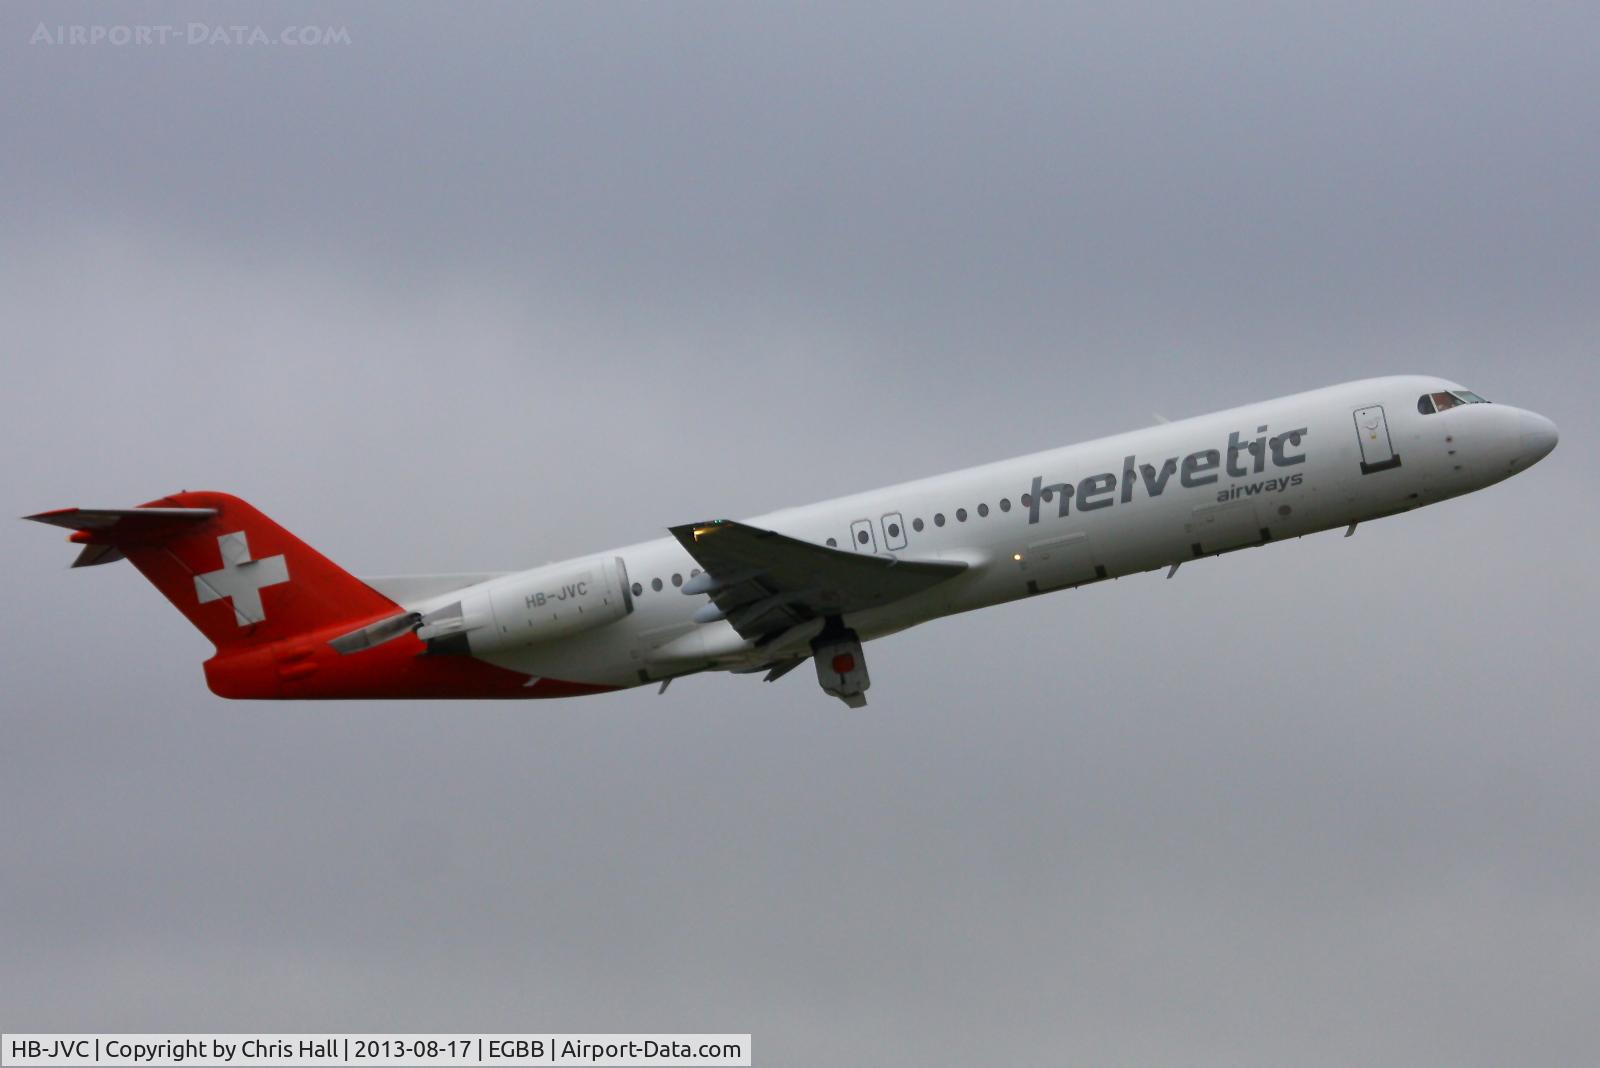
x=530, y=607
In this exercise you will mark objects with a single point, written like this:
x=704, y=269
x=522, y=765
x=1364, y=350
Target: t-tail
x=270, y=603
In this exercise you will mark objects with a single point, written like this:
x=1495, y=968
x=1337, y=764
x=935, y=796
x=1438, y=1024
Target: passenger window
x=1425, y=404
x=1005, y=504
x=961, y=515
x=983, y=509
x=938, y=519
x=916, y=525
x=833, y=543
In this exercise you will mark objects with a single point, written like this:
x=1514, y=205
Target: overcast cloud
x=486, y=287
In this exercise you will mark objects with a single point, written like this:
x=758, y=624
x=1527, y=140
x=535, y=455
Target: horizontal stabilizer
x=98, y=554
x=101, y=530
x=121, y=520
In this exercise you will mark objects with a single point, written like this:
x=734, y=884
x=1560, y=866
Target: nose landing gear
x=841, y=664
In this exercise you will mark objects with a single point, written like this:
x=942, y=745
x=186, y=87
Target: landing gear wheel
x=841, y=663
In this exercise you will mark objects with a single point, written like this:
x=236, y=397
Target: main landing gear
x=841, y=665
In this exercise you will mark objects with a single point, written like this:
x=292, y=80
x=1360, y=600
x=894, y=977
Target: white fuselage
x=1138, y=501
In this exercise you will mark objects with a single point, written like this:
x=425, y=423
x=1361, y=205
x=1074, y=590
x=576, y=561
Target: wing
x=763, y=583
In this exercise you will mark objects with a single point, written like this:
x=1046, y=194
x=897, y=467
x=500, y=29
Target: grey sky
x=478, y=290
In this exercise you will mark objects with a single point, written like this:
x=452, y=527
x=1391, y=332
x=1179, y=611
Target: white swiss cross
x=241, y=578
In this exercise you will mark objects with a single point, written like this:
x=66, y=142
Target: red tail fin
x=239, y=577
x=272, y=604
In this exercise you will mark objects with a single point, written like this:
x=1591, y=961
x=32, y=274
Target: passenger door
x=862, y=539
x=894, y=532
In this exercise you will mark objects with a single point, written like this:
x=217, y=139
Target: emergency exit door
x=894, y=532
x=1372, y=430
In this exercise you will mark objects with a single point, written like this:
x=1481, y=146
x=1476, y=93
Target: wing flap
x=764, y=582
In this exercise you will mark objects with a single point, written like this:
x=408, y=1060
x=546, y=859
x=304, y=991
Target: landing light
x=1016, y=556
x=708, y=528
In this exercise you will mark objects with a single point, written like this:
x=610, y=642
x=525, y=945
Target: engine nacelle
x=531, y=607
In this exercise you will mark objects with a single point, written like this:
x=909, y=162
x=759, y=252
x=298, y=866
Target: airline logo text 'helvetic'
x=1202, y=468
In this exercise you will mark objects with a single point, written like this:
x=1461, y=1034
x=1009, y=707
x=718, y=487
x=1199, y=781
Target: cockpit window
x=1430, y=403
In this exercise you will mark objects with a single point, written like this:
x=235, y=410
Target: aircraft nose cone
x=1539, y=437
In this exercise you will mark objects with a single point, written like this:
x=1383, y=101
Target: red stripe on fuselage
x=308, y=668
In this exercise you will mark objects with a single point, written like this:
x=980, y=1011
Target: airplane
x=766, y=594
